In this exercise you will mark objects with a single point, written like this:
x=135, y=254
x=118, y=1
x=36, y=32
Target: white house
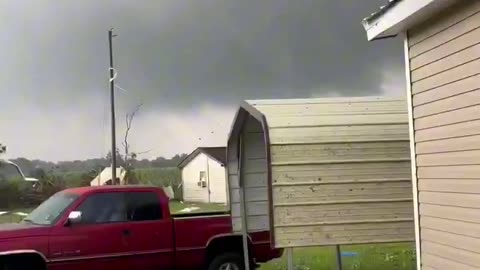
x=204, y=176
x=105, y=177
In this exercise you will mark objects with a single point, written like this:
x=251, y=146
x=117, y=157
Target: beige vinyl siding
x=445, y=81
x=341, y=171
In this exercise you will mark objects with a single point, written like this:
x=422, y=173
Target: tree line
x=56, y=176
x=31, y=167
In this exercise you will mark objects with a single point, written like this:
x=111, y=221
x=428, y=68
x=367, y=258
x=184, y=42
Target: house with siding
x=105, y=177
x=203, y=175
x=442, y=60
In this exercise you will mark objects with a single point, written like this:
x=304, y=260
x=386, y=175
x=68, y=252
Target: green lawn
x=368, y=257
x=176, y=207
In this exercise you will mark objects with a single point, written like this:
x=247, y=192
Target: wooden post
x=290, y=259
x=338, y=257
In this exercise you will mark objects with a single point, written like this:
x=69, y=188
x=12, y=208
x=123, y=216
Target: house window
x=202, y=181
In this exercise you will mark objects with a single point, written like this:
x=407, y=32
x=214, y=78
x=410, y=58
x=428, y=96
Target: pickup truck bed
x=193, y=235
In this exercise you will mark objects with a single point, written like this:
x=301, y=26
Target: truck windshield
x=50, y=210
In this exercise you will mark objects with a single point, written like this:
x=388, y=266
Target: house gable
x=399, y=15
x=218, y=154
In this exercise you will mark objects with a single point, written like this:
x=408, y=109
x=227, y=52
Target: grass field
x=366, y=257
x=369, y=257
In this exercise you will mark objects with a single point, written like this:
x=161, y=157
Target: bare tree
x=128, y=155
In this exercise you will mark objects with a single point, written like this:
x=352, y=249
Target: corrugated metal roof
x=290, y=113
x=287, y=119
x=381, y=10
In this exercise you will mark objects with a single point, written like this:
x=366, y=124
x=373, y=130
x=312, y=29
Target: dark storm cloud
x=178, y=52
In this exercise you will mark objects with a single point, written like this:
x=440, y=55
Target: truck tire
x=227, y=261
x=22, y=266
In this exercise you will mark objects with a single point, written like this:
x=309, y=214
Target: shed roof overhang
x=236, y=129
x=400, y=15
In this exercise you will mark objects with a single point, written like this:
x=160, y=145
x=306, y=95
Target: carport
x=321, y=172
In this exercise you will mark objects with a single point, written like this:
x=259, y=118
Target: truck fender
x=226, y=243
x=227, y=235
x=28, y=258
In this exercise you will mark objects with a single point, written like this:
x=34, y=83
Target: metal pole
x=338, y=257
x=246, y=253
x=112, y=108
x=243, y=208
x=290, y=259
x=208, y=180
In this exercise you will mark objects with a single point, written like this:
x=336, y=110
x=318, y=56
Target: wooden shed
x=322, y=171
x=442, y=59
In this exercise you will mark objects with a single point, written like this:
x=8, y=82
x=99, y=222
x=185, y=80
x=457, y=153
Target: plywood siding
x=341, y=171
x=254, y=177
x=445, y=82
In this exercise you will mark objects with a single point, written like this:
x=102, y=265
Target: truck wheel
x=21, y=263
x=227, y=261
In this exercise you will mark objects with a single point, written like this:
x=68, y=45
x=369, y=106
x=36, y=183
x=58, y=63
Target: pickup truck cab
x=124, y=227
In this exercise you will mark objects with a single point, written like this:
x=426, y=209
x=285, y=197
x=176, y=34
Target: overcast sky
x=189, y=62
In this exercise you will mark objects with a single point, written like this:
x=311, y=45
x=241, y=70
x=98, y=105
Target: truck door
x=151, y=242
x=98, y=241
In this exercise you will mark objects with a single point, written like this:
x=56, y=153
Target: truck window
x=103, y=208
x=143, y=206
x=51, y=210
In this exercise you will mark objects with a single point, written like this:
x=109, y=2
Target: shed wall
x=254, y=173
x=341, y=171
x=444, y=57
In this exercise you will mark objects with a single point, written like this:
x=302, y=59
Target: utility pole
x=112, y=108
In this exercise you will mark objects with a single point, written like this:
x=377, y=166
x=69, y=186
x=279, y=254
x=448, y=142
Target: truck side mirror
x=74, y=218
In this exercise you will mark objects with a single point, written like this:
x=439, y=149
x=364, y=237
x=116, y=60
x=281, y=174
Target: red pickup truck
x=124, y=227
